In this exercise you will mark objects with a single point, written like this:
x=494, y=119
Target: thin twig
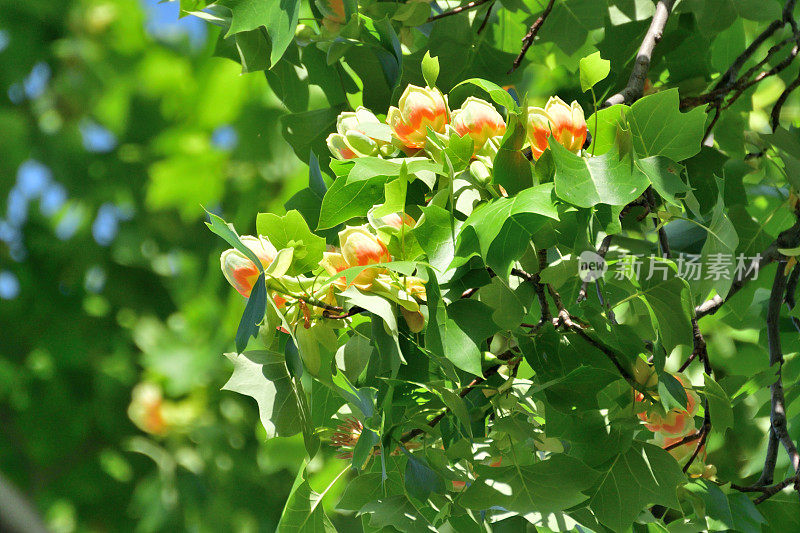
x=527, y=41
x=602, y=250
x=459, y=9
x=776, y=109
x=486, y=18
x=791, y=288
x=351, y=312
x=635, y=87
x=789, y=238
x=416, y=432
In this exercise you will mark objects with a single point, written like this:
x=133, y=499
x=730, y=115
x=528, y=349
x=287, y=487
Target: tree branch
x=459, y=9
x=633, y=91
x=789, y=238
x=527, y=41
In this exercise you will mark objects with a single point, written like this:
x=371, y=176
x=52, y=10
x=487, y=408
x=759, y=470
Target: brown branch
x=705, y=429
x=791, y=288
x=778, y=401
x=351, y=312
x=776, y=109
x=635, y=87
x=527, y=41
x=459, y=9
x=789, y=238
x=602, y=250
x=486, y=18
x=767, y=491
x=731, y=85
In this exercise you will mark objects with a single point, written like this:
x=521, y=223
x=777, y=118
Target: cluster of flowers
x=675, y=425
x=361, y=134
x=360, y=246
x=423, y=108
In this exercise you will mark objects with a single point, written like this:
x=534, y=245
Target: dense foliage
x=534, y=266
x=496, y=309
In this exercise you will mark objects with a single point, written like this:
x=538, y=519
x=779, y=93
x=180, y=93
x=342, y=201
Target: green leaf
x=670, y=300
x=399, y=513
x=291, y=231
x=303, y=512
x=279, y=17
x=719, y=252
x=498, y=95
x=344, y=201
x=511, y=169
x=719, y=404
x=513, y=220
x=604, y=126
x=607, y=179
x=430, y=69
x=263, y=376
x=665, y=176
x=253, y=314
x=443, y=336
x=593, y=69
x=545, y=487
x=420, y=478
x=434, y=235
x=659, y=128
x=228, y=233
x=643, y=475
x=307, y=131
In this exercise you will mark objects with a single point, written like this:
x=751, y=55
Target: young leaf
x=291, y=231
x=593, y=69
x=430, y=69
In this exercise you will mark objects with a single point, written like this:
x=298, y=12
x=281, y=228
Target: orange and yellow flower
x=419, y=108
x=242, y=273
x=360, y=247
x=566, y=124
x=478, y=119
x=676, y=422
x=332, y=14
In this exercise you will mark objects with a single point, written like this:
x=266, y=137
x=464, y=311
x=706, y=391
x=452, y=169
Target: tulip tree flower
x=239, y=270
x=478, y=119
x=676, y=422
x=332, y=14
x=360, y=247
x=566, y=123
x=419, y=108
x=353, y=136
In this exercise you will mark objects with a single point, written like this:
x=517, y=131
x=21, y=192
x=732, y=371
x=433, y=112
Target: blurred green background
x=116, y=125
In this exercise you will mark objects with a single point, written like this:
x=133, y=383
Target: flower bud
x=239, y=270
x=566, y=123
x=644, y=374
x=351, y=140
x=480, y=172
x=419, y=109
x=478, y=119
